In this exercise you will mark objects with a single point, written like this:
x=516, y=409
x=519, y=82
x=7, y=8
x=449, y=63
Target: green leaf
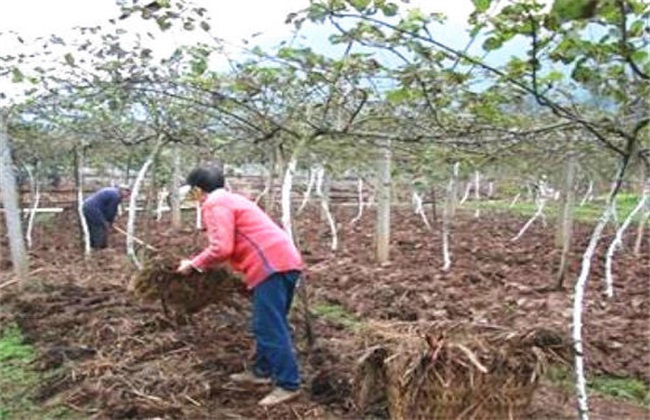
x=481, y=5
x=398, y=95
x=583, y=74
x=636, y=30
x=568, y=10
x=639, y=56
x=16, y=75
x=317, y=12
x=360, y=5
x=492, y=43
x=69, y=59
x=390, y=9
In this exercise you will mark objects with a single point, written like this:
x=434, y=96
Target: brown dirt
x=123, y=358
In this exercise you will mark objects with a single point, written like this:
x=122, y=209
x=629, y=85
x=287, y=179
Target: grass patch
x=337, y=313
x=18, y=381
x=590, y=212
x=628, y=389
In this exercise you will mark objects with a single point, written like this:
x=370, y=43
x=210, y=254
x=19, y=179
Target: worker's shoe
x=248, y=377
x=278, y=396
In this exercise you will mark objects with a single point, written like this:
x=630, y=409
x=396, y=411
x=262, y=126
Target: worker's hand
x=185, y=267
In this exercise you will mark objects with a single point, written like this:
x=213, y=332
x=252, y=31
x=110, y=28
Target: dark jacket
x=103, y=203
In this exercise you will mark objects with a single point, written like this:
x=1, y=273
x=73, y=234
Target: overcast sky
x=232, y=20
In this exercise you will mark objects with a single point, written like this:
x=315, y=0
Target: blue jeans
x=274, y=355
x=96, y=228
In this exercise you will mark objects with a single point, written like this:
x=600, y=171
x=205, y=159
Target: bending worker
x=100, y=210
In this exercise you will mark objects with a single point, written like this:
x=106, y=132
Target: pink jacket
x=242, y=234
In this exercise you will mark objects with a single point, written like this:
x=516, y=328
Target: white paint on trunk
x=618, y=241
x=419, y=209
x=310, y=186
x=541, y=203
x=514, y=200
x=161, y=205
x=468, y=189
x=285, y=197
x=360, y=200
x=581, y=384
x=130, y=227
x=578, y=301
x=447, y=214
x=477, y=193
x=80, y=203
x=32, y=215
x=324, y=202
x=490, y=191
x=589, y=194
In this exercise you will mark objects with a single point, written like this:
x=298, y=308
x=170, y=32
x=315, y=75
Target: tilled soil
x=122, y=358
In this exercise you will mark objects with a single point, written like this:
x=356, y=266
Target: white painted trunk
x=161, y=204
x=514, y=200
x=285, y=197
x=324, y=202
x=580, y=286
x=135, y=191
x=578, y=301
x=360, y=198
x=310, y=186
x=80, y=202
x=383, y=204
x=447, y=215
x=177, y=219
x=468, y=189
x=541, y=203
x=618, y=241
x=419, y=209
x=588, y=195
x=32, y=215
x=10, y=203
x=490, y=191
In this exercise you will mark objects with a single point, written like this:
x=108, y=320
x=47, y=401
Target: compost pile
x=182, y=295
x=444, y=370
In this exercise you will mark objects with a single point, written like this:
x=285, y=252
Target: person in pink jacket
x=244, y=236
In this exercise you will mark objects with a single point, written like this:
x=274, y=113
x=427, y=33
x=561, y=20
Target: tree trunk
x=79, y=161
x=618, y=241
x=448, y=215
x=130, y=229
x=565, y=219
x=383, y=204
x=287, y=185
x=269, y=199
x=176, y=181
x=310, y=186
x=325, y=208
x=579, y=295
x=10, y=203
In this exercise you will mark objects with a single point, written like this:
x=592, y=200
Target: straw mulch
x=183, y=295
x=449, y=371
